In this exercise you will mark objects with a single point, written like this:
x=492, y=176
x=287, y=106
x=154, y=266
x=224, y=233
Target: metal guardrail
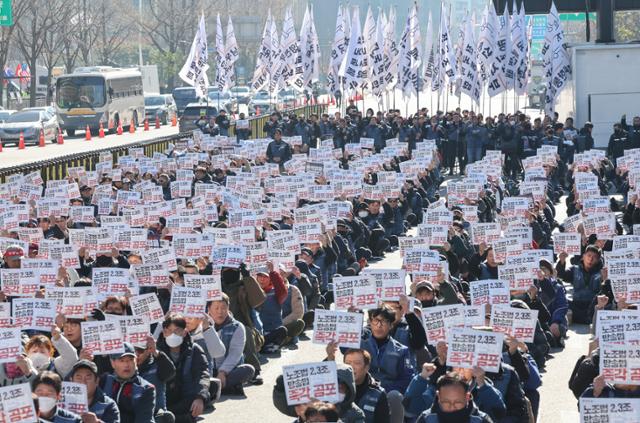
x=56, y=168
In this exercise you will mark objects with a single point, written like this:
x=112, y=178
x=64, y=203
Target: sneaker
x=257, y=380
x=237, y=390
x=270, y=349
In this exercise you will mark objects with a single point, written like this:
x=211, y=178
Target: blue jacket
x=421, y=395
x=104, y=407
x=377, y=133
x=477, y=136
x=475, y=415
x=554, y=295
x=136, y=398
x=271, y=312
x=64, y=416
x=391, y=364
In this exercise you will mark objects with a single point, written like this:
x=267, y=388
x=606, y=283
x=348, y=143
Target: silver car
x=29, y=123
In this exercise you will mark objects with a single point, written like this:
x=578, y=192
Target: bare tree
x=6, y=37
x=115, y=25
x=40, y=17
x=56, y=42
x=169, y=25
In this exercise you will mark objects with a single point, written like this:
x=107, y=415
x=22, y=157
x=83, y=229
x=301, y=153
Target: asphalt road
x=557, y=401
x=11, y=156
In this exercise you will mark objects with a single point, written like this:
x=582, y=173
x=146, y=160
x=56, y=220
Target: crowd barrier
x=56, y=168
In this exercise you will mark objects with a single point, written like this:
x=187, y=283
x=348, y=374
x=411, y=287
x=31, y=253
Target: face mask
x=341, y=397
x=427, y=303
x=39, y=360
x=46, y=404
x=512, y=122
x=363, y=214
x=174, y=340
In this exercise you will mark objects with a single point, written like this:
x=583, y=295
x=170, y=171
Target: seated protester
x=453, y=403
x=40, y=350
x=117, y=305
x=600, y=389
x=391, y=362
x=156, y=368
x=101, y=407
x=348, y=411
x=208, y=339
x=421, y=392
x=230, y=368
x=553, y=295
x=586, y=280
x=425, y=293
x=370, y=396
x=270, y=312
x=408, y=329
x=245, y=295
x=347, y=264
x=319, y=411
x=47, y=386
x=188, y=391
x=459, y=240
x=539, y=348
x=394, y=221
x=378, y=241
x=586, y=369
x=489, y=268
x=136, y=397
x=506, y=381
x=292, y=312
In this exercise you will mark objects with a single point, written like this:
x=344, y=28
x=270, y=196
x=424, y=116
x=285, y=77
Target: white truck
x=604, y=87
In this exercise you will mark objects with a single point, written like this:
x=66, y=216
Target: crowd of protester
x=186, y=363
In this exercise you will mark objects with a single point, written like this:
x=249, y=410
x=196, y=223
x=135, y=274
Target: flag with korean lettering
x=391, y=52
x=194, y=71
x=355, y=64
x=338, y=49
x=304, y=382
x=555, y=59
x=497, y=81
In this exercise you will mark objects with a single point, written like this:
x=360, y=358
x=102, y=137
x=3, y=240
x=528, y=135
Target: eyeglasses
x=453, y=404
x=379, y=322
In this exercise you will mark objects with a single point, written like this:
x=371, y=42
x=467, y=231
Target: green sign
x=6, y=17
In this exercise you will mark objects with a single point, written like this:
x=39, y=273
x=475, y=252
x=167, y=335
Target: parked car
x=183, y=96
x=192, y=114
x=222, y=100
x=4, y=114
x=161, y=106
x=29, y=123
x=242, y=94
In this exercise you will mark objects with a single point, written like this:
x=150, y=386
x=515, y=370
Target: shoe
x=270, y=349
x=257, y=380
x=237, y=390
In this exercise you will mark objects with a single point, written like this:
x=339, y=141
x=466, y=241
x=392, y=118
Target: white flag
x=487, y=42
x=290, y=52
x=377, y=57
x=427, y=60
x=338, y=50
x=523, y=70
x=410, y=54
x=517, y=47
x=459, y=49
x=232, y=54
x=497, y=80
x=274, y=63
x=556, y=60
x=470, y=80
x=356, y=61
x=220, y=55
x=369, y=34
x=261, y=72
x=447, y=55
x=391, y=53
x=309, y=50
x=194, y=71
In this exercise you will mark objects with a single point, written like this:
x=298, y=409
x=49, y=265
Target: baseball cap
x=13, y=251
x=424, y=285
x=129, y=350
x=85, y=364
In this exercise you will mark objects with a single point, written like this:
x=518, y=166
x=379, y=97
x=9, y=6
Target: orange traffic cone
x=157, y=122
x=132, y=129
x=174, y=121
x=41, y=140
x=21, y=141
x=101, y=131
x=119, y=130
x=110, y=125
x=146, y=124
x=0, y=146
x=87, y=134
x=60, y=138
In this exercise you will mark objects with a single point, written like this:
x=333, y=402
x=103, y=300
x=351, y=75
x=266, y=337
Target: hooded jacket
x=349, y=411
x=244, y=295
